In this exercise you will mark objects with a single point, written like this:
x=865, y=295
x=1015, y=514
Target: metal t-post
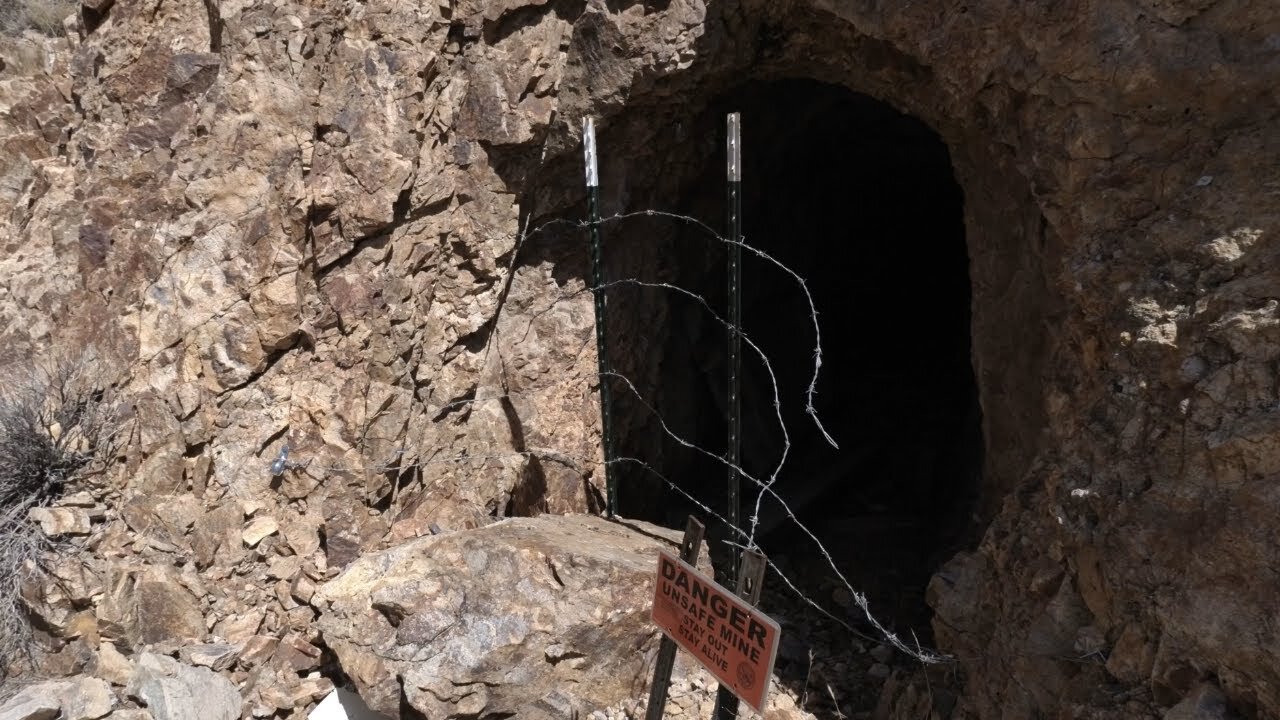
x=750, y=585
x=689, y=548
x=734, y=452
x=597, y=290
x=726, y=702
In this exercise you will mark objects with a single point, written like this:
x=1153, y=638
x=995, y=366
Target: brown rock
x=69, y=581
x=148, y=605
x=302, y=589
x=83, y=625
x=81, y=698
x=167, y=612
x=258, y=649
x=301, y=533
x=237, y=629
x=284, y=568
x=288, y=693
x=210, y=531
x=216, y=656
x=1132, y=657
x=297, y=653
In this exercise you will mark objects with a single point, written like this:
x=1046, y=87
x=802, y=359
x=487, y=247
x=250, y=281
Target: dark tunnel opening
x=860, y=201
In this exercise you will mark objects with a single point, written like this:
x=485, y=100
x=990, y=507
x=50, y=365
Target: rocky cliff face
x=296, y=224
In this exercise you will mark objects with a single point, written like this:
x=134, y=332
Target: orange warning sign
x=734, y=641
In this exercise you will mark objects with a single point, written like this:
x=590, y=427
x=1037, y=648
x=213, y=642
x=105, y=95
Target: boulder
x=1205, y=702
x=173, y=691
x=36, y=702
x=78, y=698
x=464, y=621
x=89, y=699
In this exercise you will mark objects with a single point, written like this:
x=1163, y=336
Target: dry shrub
x=43, y=16
x=55, y=425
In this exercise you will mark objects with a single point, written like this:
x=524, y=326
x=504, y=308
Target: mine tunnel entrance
x=859, y=200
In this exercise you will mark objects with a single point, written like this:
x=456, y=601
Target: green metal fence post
x=734, y=451
x=598, y=291
x=726, y=702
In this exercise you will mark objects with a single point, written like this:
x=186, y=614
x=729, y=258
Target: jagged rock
x=149, y=605
x=463, y=620
x=69, y=582
x=167, y=612
x=58, y=521
x=302, y=534
x=41, y=701
x=284, y=567
x=113, y=666
x=258, y=529
x=238, y=628
x=81, y=499
x=210, y=533
x=89, y=699
x=258, y=649
x=1206, y=702
x=1132, y=658
x=173, y=691
x=216, y=656
x=82, y=698
x=298, y=653
x=302, y=589
x=286, y=691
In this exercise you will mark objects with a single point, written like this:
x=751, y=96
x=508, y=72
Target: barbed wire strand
x=812, y=388
x=858, y=597
x=765, y=486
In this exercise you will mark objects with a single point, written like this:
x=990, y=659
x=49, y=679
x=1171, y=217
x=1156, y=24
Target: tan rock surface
x=61, y=521
x=466, y=622
x=113, y=666
x=173, y=691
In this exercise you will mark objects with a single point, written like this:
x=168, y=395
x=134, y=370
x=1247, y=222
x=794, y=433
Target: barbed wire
x=765, y=486
x=859, y=598
x=812, y=388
